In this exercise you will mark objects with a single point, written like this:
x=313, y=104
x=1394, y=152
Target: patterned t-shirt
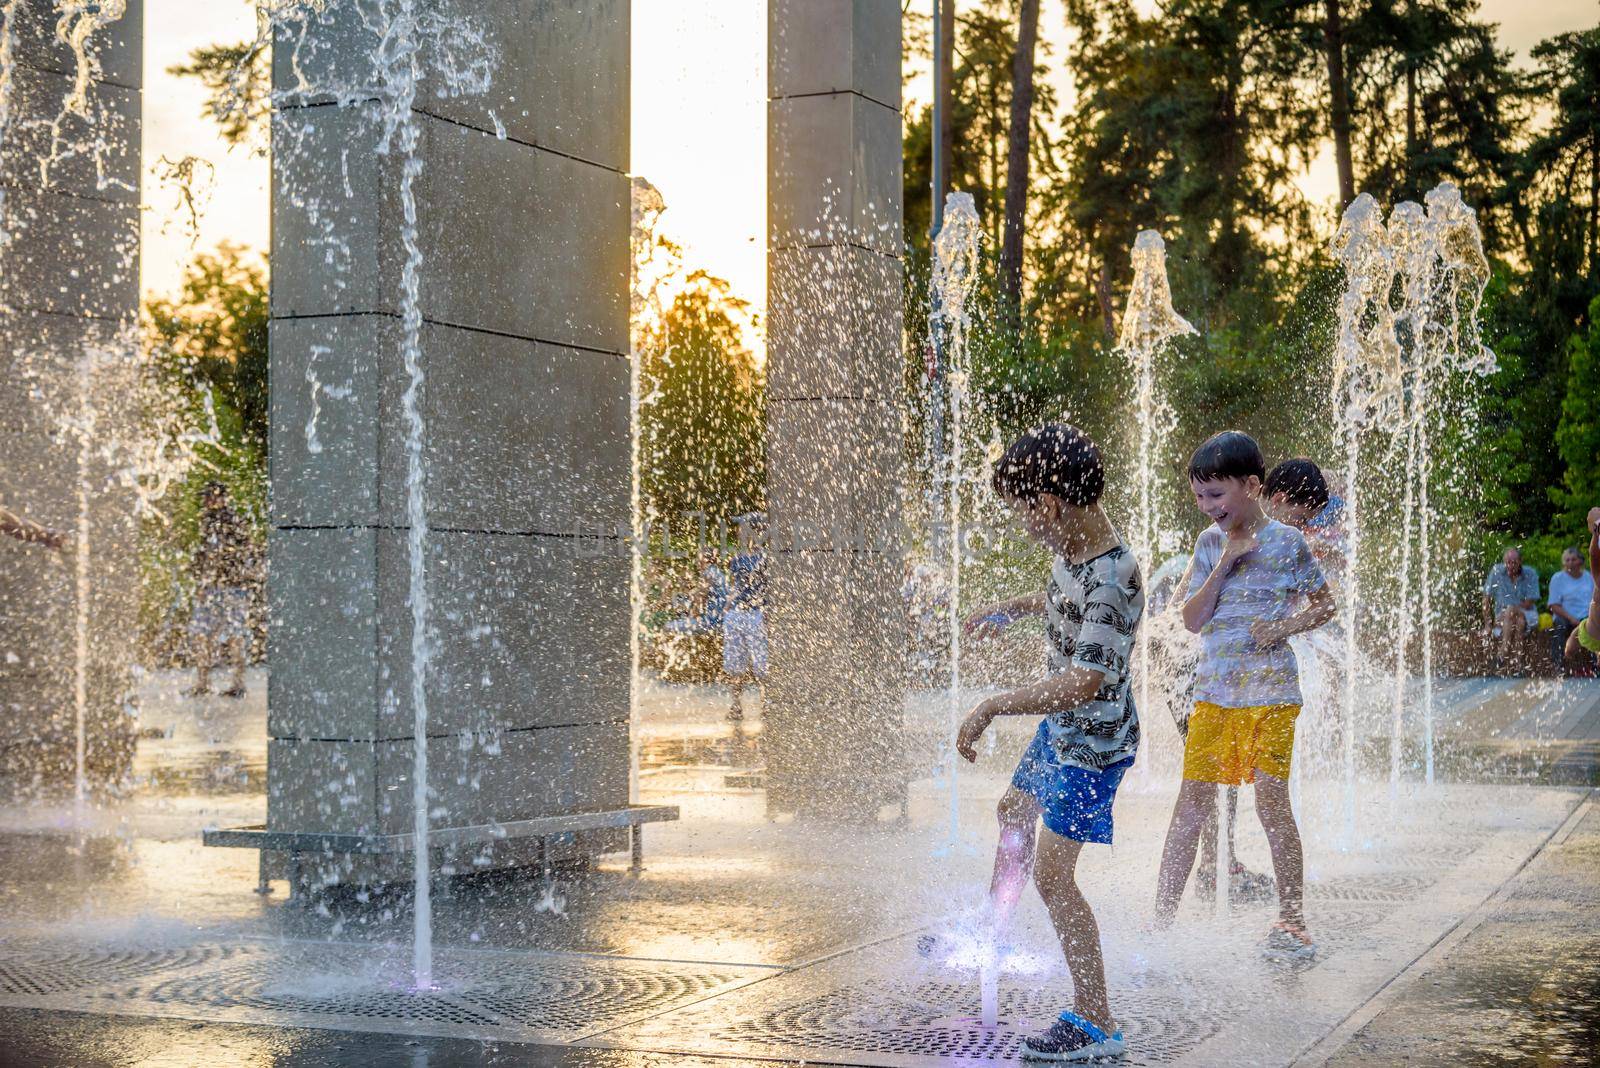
x=1092, y=611
x=1267, y=583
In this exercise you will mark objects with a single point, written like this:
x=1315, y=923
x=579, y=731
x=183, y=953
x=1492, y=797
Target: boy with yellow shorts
x=1252, y=585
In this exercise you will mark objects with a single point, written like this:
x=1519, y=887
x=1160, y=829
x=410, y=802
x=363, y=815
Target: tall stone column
x=522, y=206
x=69, y=304
x=833, y=710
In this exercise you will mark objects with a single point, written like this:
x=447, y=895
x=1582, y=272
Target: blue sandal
x=1073, y=1038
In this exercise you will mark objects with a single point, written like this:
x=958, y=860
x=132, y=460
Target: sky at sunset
x=699, y=125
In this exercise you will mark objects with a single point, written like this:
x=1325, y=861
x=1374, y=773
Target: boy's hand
x=988, y=622
x=1266, y=633
x=972, y=729
x=1234, y=550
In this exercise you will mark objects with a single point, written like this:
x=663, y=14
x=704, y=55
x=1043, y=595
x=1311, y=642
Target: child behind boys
x=1248, y=574
x=1053, y=478
x=1296, y=494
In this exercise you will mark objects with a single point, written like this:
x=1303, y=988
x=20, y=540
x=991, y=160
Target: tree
x=1338, y=99
x=702, y=416
x=1578, y=434
x=1017, y=137
x=237, y=78
x=1569, y=149
x=1435, y=100
x=214, y=337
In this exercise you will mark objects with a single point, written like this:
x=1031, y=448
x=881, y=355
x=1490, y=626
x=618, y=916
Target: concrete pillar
x=833, y=709
x=69, y=290
x=524, y=297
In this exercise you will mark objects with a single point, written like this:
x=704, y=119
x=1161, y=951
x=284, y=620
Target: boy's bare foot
x=233, y=691
x=197, y=690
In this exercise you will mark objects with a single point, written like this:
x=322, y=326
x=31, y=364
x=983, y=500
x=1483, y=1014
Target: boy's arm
x=1200, y=606
x=1592, y=624
x=16, y=526
x=993, y=618
x=1068, y=689
x=1318, y=610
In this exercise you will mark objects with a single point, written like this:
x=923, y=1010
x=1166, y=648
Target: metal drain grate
x=1387, y=887
x=936, y=1019
x=279, y=986
x=533, y=996
x=39, y=971
x=581, y=997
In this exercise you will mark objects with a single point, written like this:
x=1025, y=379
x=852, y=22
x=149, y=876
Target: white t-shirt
x=1570, y=593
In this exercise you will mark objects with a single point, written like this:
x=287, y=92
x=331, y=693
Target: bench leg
x=297, y=889
x=636, y=848
x=263, y=886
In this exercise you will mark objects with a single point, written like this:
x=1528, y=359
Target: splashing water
x=1149, y=324
x=956, y=254
x=1362, y=351
x=1408, y=342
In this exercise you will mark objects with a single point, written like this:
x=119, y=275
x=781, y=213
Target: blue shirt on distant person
x=1508, y=592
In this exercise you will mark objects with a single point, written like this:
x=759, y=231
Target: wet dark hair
x=213, y=488
x=1230, y=454
x=1300, y=481
x=1057, y=458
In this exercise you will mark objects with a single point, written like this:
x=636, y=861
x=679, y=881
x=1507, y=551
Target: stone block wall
x=523, y=216
x=834, y=707
x=69, y=292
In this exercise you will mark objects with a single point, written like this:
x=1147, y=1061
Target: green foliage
x=702, y=410
x=237, y=79
x=1578, y=434
x=209, y=347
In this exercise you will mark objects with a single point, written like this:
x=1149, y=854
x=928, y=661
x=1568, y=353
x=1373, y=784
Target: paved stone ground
x=122, y=941
x=1521, y=986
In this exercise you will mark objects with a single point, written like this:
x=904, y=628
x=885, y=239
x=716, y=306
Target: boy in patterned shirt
x=1253, y=584
x=1053, y=478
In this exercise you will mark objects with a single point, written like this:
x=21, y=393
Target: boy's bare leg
x=1013, y=856
x=1283, y=836
x=205, y=656
x=1208, y=834
x=1197, y=803
x=236, y=653
x=1055, y=874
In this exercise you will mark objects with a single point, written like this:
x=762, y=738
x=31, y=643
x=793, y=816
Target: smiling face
x=1228, y=502
x=1572, y=563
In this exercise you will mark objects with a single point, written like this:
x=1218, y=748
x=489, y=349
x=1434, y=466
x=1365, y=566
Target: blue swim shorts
x=1076, y=801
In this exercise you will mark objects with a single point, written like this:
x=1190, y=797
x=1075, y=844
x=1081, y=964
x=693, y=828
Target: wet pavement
x=124, y=941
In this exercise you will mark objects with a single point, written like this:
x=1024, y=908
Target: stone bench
x=297, y=845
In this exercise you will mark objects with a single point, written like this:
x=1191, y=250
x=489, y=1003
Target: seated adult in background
x=1570, y=591
x=1509, y=595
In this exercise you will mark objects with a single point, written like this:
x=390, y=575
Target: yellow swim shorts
x=1228, y=745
